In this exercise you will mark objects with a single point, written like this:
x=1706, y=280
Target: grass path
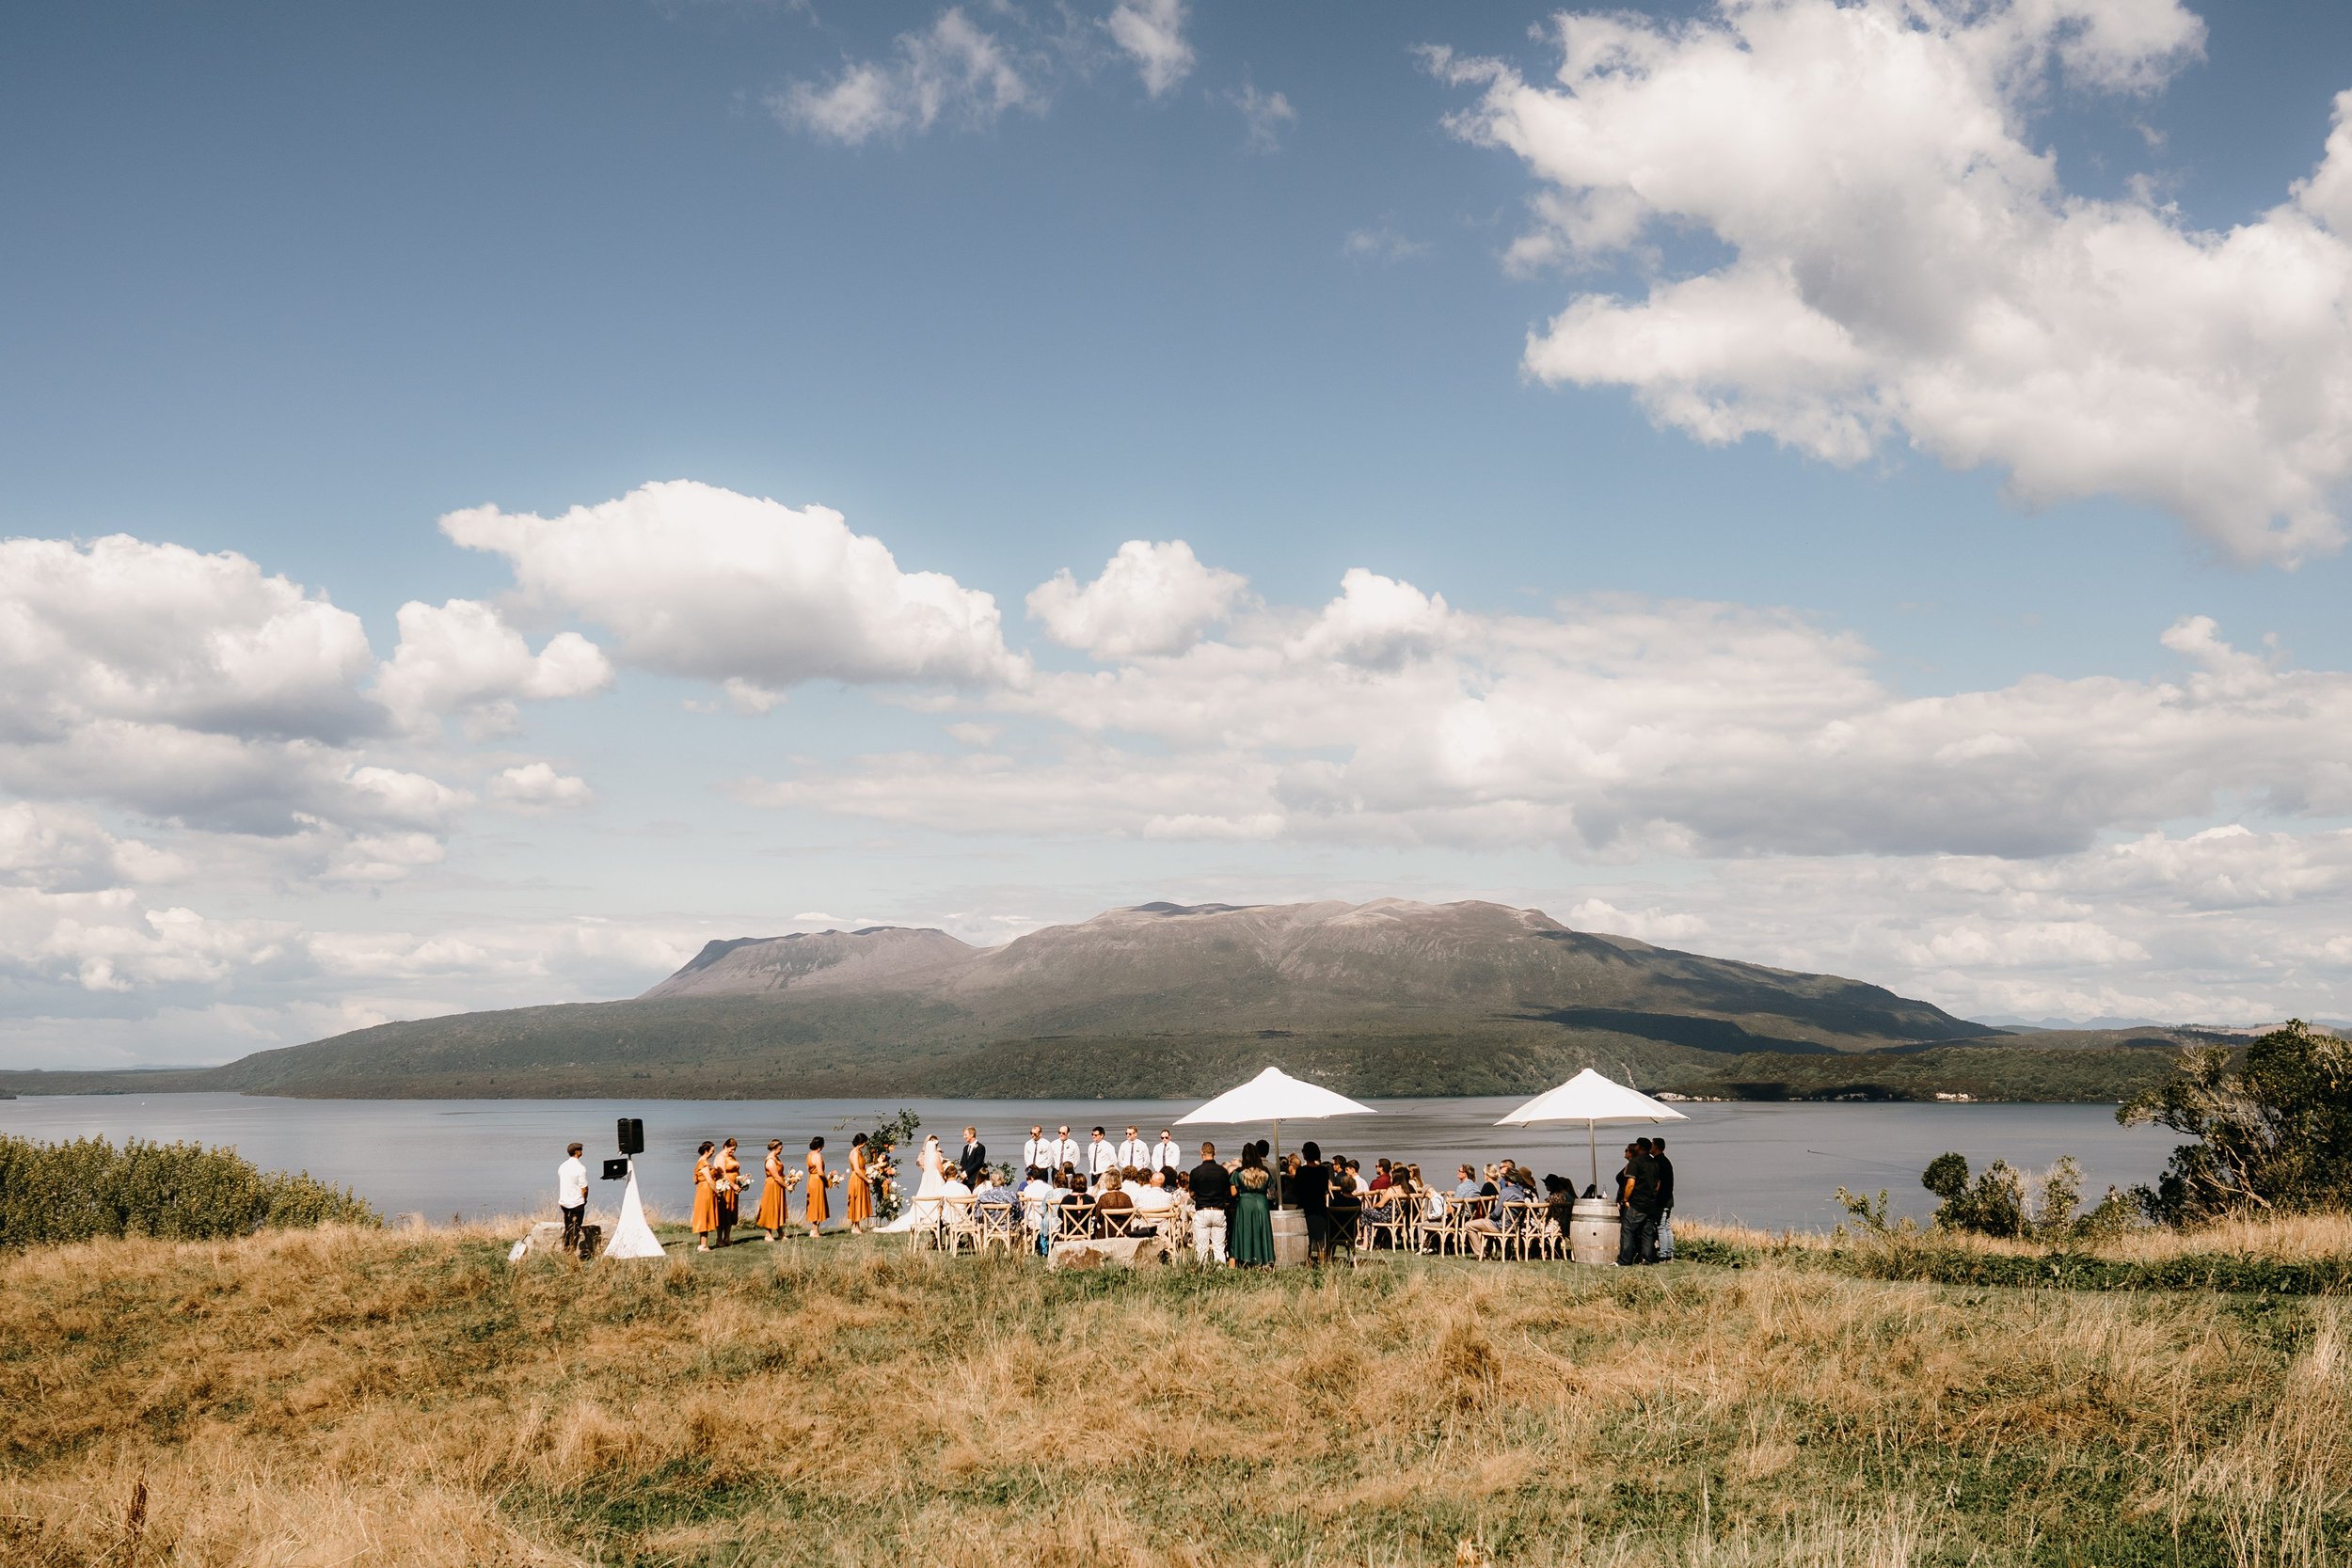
x=354, y=1397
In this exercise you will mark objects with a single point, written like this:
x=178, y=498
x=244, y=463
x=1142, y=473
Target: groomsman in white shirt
x=1101, y=1156
x=1065, y=1148
x=1165, y=1154
x=1036, y=1153
x=1133, y=1153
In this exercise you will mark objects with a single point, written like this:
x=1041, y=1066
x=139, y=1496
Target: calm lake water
x=1762, y=1164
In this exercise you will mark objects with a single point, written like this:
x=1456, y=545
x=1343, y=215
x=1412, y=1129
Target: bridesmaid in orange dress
x=706, y=1199
x=816, y=1213
x=857, y=1200
x=771, y=1216
x=727, y=1178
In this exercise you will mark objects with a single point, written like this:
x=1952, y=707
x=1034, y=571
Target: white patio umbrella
x=1274, y=1096
x=1591, y=1098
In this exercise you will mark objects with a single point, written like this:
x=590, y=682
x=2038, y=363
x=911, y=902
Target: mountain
x=1386, y=998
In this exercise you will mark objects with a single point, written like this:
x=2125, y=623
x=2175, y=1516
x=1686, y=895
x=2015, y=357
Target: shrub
x=86, y=1188
x=2003, y=1202
x=2273, y=1130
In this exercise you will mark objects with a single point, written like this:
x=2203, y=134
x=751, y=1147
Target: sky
x=494, y=496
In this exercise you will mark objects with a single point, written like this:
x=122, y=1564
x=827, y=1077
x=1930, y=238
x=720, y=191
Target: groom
x=975, y=1157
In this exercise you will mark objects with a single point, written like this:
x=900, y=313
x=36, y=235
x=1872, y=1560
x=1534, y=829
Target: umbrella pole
x=1592, y=1149
x=1278, y=1162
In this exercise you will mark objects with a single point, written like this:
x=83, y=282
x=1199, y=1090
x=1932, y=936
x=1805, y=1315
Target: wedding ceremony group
x=1139, y=1198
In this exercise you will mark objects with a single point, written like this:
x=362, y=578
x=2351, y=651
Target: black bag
x=591, y=1237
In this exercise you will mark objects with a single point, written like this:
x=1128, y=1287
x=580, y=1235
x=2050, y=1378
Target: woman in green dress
x=1252, y=1241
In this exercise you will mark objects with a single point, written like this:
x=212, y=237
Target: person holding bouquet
x=727, y=1169
x=816, y=1211
x=706, y=1199
x=775, y=1182
x=857, y=1199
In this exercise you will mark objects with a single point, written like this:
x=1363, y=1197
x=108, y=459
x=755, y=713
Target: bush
x=73, y=1191
x=2003, y=1202
x=2273, y=1130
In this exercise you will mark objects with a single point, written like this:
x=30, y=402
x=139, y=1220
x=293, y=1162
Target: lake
x=1772, y=1165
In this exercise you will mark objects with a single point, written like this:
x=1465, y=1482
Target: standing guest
x=1037, y=1151
x=1665, y=1201
x=857, y=1194
x=571, y=1195
x=706, y=1198
x=727, y=1169
x=1310, y=1187
x=1637, y=1241
x=1102, y=1157
x=1212, y=1206
x=1253, y=1223
x=1065, y=1149
x=1165, y=1154
x=974, y=1159
x=1133, y=1153
x=815, y=1210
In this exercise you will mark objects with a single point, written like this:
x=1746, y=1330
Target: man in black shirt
x=1212, y=1204
x=1665, y=1199
x=1310, y=1189
x=1637, y=1235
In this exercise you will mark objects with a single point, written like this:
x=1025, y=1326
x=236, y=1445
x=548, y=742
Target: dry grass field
x=347, y=1397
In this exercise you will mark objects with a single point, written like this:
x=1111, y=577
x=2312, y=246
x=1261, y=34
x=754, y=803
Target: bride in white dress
x=924, y=1211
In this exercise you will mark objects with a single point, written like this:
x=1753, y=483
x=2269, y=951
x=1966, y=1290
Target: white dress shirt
x=1065, y=1152
x=1133, y=1153
x=1033, y=1152
x=571, y=1183
x=1167, y=1156
x=1101, y=1156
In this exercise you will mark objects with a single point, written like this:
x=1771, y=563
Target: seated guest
x=1077, y=1209
x=1342, y=1210
x=1381, y=1180
x=1037, y=1206
x=1355, y=1178
x=1115, y=1205
x=954, y=1185
x=999, y=1191
x=1479, y=1227
x=1153, y=1205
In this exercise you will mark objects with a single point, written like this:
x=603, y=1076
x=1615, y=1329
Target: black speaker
x=617, y=1170
x=633, y=1135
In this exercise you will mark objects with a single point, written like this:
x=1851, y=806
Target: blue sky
x=294, y=283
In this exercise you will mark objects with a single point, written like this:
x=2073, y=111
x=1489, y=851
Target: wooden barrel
x=1593, y=1231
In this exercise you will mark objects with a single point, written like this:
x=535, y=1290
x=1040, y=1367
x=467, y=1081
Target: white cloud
x=127, y=631
x=193, y=689
x=536, y=786
x=463, y=658
x=1265, y=117
x=1615, y=726
x=1150, y=598
x=952, y=71
x=1901, y=258
x=699, y=581
x=1152, y=34
x=1381, y=243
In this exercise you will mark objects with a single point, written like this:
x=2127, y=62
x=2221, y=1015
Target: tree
x=2273, y=1129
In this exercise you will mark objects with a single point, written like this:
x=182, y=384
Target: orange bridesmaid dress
x=772, y=1194
x=706, y=1198
x=818, y=1214
x=857, y=1203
